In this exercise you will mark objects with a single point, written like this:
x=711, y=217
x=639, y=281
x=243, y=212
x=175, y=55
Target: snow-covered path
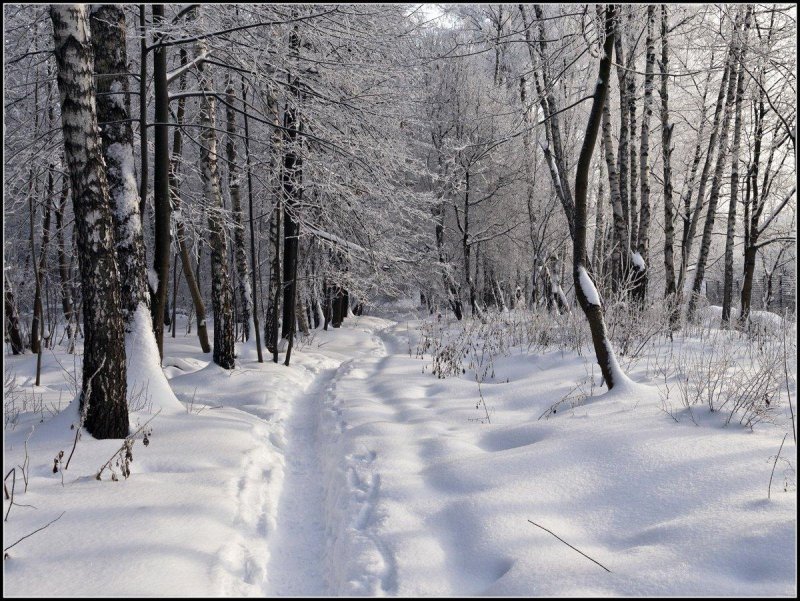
x=356, y=472
x=297, y=546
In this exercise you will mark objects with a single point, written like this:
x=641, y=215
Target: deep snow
x=358, y=472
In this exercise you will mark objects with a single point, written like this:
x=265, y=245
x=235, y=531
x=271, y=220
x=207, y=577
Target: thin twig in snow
x=570, y=546
x=778, y=456
x=34, y=532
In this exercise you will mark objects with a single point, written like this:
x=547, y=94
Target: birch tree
x=102, y=396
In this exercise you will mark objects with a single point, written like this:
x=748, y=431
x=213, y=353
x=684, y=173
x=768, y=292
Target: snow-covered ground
x=357, y=471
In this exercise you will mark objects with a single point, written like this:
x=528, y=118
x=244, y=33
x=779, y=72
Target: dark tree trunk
x=143, y=175
x=712, y=145
x=708, y=229
x=292, y=192
x=593, y=310
x=253, y=262
x=161, y=200
x=620, y=253
x=103, y=391
x=727, y=293
x=63, y=264
x=643, y=236
x=113, y=111
x=666, y=155
x=12, y=320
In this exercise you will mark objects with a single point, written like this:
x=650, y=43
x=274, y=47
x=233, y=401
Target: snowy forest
x=399, y=300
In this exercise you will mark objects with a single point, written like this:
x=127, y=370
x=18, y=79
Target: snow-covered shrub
x=728, y=372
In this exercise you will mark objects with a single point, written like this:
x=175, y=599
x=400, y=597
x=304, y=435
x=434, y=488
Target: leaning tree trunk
x=727, y=293
x=180, y=226
x=585, y=291
x=102, y=396
x=708, y=229
x=701, y=191
x=221, y=300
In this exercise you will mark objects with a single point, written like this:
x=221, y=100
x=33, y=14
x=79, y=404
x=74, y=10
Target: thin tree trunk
x=144, y=168
x=688, y=217
x=599, y=219
x=253, y=262
x=643, y=238
x=620, y=254
x=633, y=201
x=553, y=151
x=103, y=393
x=41, y=268
x=624, y=134
x=240, y=252
x=712, y=145
x=33, y=191
x=666, y=156
x=180, y=227
x=708, y=230
x=63, y=263
x=292, y=192
x=727, y=293
x=221, y=298
x=161, y=201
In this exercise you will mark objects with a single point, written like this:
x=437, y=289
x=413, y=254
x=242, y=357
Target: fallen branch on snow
x=570, y=546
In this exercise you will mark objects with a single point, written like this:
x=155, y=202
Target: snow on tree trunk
x=585, y=291
x=113, y=104
x=145, y=376
x=103, y=390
